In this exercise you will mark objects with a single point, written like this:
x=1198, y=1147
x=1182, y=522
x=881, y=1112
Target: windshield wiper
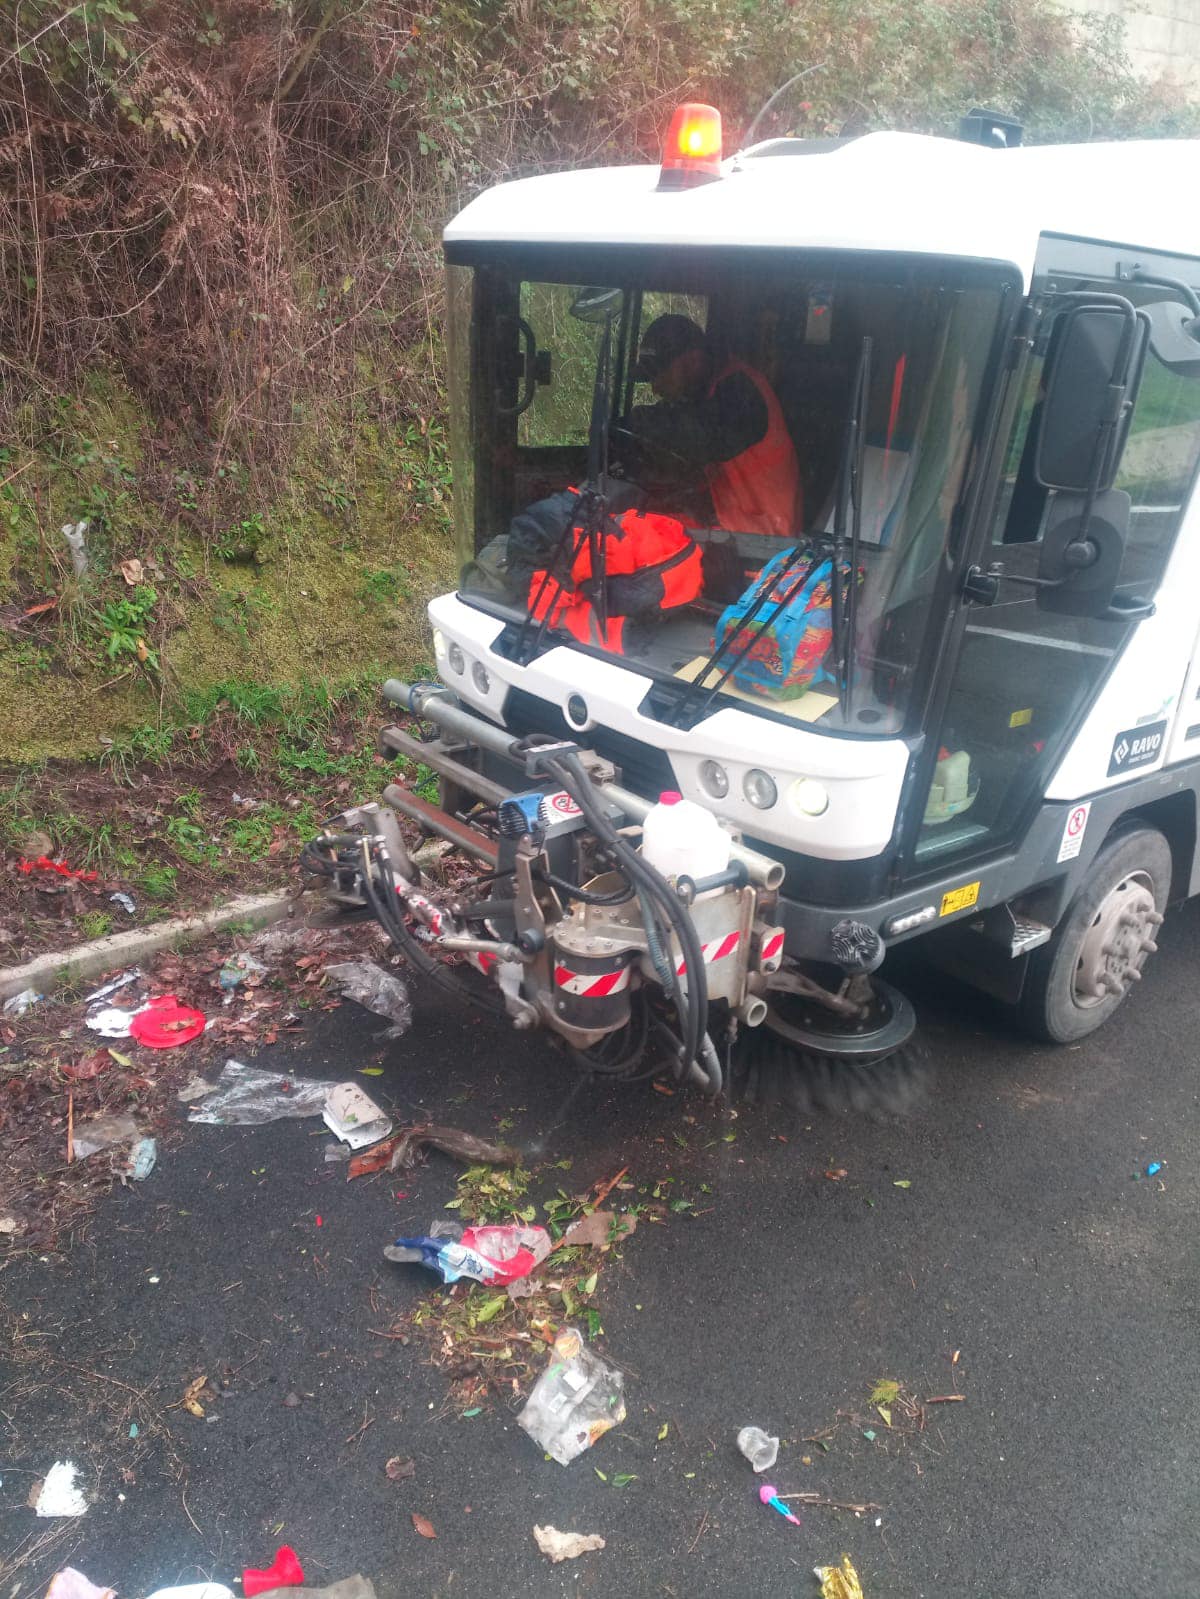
x=844, y=605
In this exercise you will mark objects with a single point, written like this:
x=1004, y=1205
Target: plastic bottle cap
x=670, y=796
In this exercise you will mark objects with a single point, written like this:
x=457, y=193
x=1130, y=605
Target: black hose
x=691, y=1000
x=620, y=896
x=398, y=930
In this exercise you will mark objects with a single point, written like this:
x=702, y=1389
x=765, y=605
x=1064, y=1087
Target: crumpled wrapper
x=839, y=1582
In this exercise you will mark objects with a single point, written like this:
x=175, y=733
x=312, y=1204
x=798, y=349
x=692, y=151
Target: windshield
x=739, y=477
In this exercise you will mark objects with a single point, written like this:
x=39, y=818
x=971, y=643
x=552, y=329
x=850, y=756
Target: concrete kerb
x=45, y=972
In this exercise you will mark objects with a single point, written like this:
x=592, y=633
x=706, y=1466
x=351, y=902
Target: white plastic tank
x=682, y=839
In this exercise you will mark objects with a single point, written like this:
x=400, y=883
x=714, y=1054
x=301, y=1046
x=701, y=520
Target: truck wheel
x=1078, y=979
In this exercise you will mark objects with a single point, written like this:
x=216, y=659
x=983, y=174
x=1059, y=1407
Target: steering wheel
x=649, y=444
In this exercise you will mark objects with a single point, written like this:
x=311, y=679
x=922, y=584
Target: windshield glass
x=739, y=477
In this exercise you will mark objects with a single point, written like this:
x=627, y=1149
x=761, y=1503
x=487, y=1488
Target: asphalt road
x=1024, y=1242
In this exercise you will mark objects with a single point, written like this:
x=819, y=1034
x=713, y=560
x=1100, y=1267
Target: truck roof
x=883, y=191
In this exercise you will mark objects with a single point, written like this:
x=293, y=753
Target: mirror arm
x=1138, y=274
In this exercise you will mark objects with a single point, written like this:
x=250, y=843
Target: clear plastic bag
x=378, y=991
x=574, y=1402
x=247, y=1096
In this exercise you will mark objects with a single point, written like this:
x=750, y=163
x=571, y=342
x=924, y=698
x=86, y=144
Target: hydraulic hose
x=691, y=998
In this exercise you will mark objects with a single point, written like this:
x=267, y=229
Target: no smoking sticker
x=1074, y=828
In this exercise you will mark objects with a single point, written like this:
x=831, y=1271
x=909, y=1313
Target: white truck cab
x=951, y=689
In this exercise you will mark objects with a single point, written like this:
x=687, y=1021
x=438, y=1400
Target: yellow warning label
x=1021, y=718
x=958, y=899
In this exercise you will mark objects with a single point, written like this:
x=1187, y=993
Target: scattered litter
x=566, y=1545
x=122, y=980
x=575, y=1401
x=838, y=1174
x=125, y=901
x=245, y=800
x=839, y=1582
x=284, y=1572
x=354, y=1116
x=240, y=969
x=56, y=868
x=769, y=1495
x=20, y=1003
x=599, y=1230
x=378, y=991
x=869, y=1434
x=403, y=1151
x=759, y=1448
x=102, y=1132
x=60, y=1495
x=110, y=1021
x=247, y=1096
x=163, y=1023
x=195, y=1088
x=902, y=1182
x=71, y=1584
x=1152, y=1170
x=946, y=1399
x=133, y=1429
x=336, y=1153
x=356, y=1587
x=133, y=571
x=400, y=1468
x=192, y=1590
x=423, y=1525
x=493, y=1255
x=9, y=1226
x=73, y=533
x=142, y=1159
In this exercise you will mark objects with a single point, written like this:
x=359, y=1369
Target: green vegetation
x=221, y=323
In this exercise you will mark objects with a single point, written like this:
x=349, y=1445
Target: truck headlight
x=714, y=779
x=479, y=675
x=809, y=797
x=759, y=788
x=456, y=658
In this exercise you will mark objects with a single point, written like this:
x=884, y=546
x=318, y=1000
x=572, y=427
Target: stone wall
x=1162, y=36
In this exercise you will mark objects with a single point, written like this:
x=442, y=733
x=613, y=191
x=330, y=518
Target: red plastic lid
x=165, y=1023
x=670, y=796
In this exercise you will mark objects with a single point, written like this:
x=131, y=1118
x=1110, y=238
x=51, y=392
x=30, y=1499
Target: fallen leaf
x=599, y=1230
x=602, y=1475
x=370, y=1071
x=885, y=1412
x=902, y=1182
x=290, y=1401
x=132, y=572
x=566, y=1545
x=400, y=1468
x=90, y=1066
x=127, y=1061
x=838, y=1173
x=143, y=654
x=423, y=1526
x=885, y=1392
x=589, y=1285
x=664, y=1430
x=624, y=1478
x=191, y=1396
x=491, y=1310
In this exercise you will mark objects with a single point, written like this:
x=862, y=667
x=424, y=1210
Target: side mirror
x=1080, y=561
x=1090, y=387
x=596, y=305
x=1175, y=336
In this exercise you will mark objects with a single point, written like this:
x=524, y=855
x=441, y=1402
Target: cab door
x=1024, y=676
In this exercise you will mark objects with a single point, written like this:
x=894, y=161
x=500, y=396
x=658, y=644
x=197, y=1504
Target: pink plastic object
x=510, y=1252
x=164, y=1023
x=770, y=1496
x=286, y=1572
